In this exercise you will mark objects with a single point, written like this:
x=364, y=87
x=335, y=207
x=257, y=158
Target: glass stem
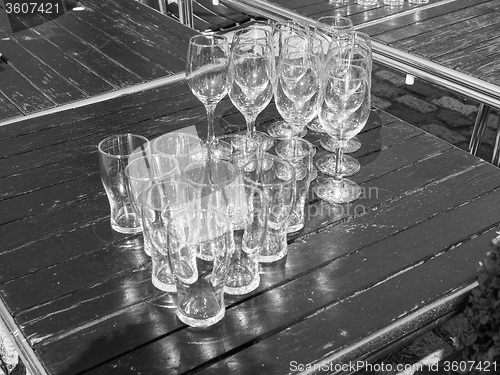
x=210, y=118
x=338, y=162
x=251, y=126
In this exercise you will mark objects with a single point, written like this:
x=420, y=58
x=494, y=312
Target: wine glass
x=281, y=32
x=331, y=29
x=206, y=73
x=343, y=109
x=250, y=80
x=359, y=54
x=297, y=88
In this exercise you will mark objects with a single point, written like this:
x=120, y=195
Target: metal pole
x=186, y=13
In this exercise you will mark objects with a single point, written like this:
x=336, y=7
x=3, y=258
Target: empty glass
x=218, y=182
x=299, y=153
x=250, y=80
x=238, y=149
x=243, y=275
x=142, y=172
x=393, y=3
x=344, y=108
x=200, y=244
x=185, y=147
x=115, y=152
x=206, y=73
x=297, y=89
x=159, y=203
x=276, y=178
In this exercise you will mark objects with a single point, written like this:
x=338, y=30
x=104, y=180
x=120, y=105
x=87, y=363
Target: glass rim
x=177, y=134
x=234, y=173
x=147, y=142
x=221, y=216
x=196, y=39
x=274, y=159
x=171, y=158
x=155, y=185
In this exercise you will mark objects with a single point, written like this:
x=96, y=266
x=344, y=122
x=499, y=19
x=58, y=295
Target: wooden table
x=91, y=49
x=358, y=280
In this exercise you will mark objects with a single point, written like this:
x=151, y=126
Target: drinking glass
x=115, y=152
x=276, y=178
x=218, y=182
x=299, y=153
x=297, y=89
x=206, y=73
x=185, y=147
x=250, y=80
x=281, y=31
x=344, y=107
x=255, y=33
x=159, y=202
x=200, y=244
x=332, y=30
x=243, y=275
x=358, y=53
x=393, y=3
x=366, y=3
x=144, y=171
x=238, y=149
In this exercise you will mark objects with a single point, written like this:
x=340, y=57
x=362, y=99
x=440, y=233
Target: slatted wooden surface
x=81, y=294
x=95, y=47
x=463, y=35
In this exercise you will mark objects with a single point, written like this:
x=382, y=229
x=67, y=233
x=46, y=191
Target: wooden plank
x=124, y=54
x=115, y=105
x=89, y=56
x=150, y=33
x=119, y=29
x=19, y=91
x=422, y=14
x=40, y=75
x=335, y=281
x=446, y=40
x=7, y=109
x=434, y=23
x=86, y=80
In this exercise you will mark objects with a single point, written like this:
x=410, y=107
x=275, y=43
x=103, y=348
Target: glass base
x=263, y=140
x=280, y=129
x=238, y=290
x=169, y=287
x=201, y=322
x=349, y=166
x=315, y=126
x=337, y=191
x=330, y=144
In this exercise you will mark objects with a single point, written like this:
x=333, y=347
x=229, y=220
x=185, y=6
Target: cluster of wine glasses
x=319, y=76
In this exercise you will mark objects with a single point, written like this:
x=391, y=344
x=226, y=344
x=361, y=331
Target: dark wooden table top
x=358, y=278
x=90, y=48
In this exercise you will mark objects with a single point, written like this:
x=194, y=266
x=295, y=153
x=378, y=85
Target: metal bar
x=495, y=160
x=24, y=349
x=479, y=127
x=186, y=13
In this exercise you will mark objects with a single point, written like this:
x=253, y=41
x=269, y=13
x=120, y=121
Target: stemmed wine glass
x=343, y=109
x=206, y=72
x=281, y=32
x=297, y=87
x=250, y=80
